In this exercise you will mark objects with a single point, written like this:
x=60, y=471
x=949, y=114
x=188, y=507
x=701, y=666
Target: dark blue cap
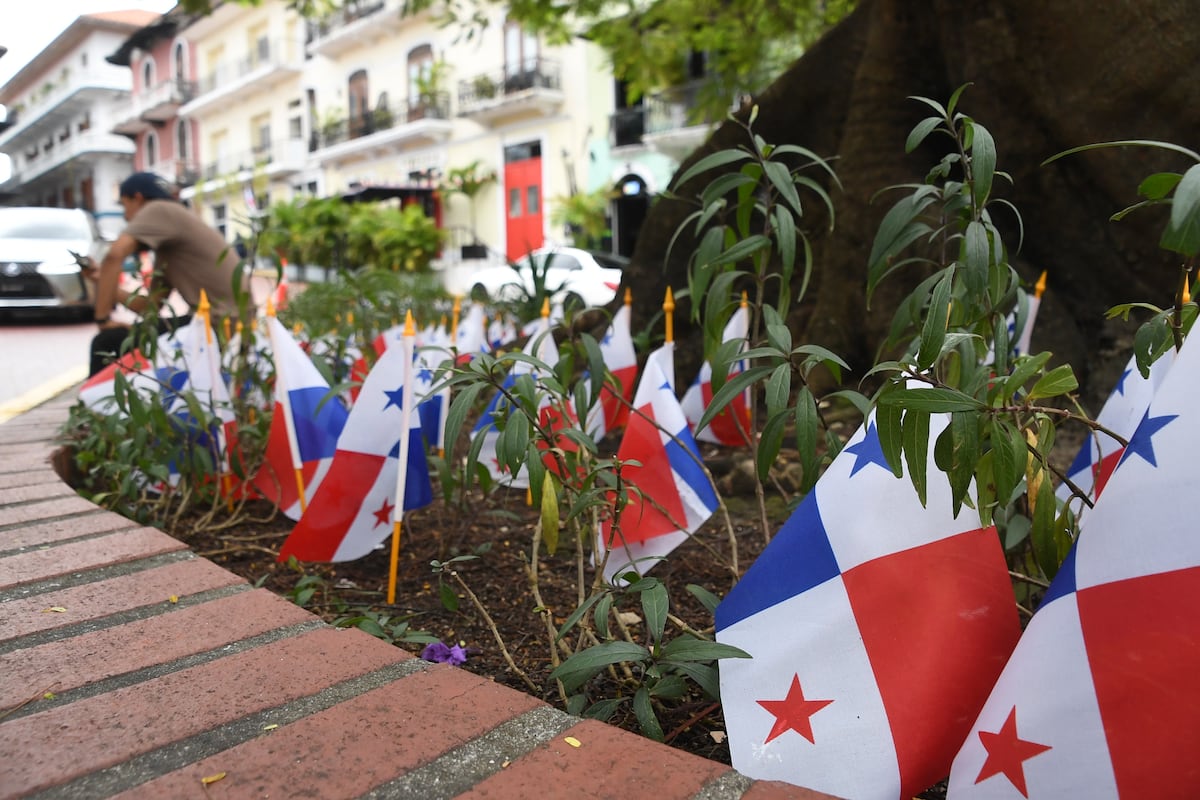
x=148, y=185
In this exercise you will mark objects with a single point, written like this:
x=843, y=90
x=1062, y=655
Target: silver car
x=37, y=268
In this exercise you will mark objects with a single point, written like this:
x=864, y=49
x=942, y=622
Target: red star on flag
x=384, y=515
x=793, y=712
x=1006, y=753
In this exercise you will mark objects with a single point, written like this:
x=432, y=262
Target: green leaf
x=1057, y=381
x=655, y=604
x=448, y=597
x=549, y=513
x=644, y=711
x=732, y=388
x=576, y=615
x=916, y=450
x=785, y=236
x=1183, y=232
x=781, y=179
x=921, y=130
x=688, y=648
x=743, y=248
x=706, y=598
x=1042, y=533
x=983, y=163
x=1159, y=185
x=779, y=389
x=933, y=332
x=580, y=667
x=1022, y=372
x=600, y=618
x=889, y=427
x=719, y=159
x=770, y=442
x=964, y=438
x=1009, y=457
x=603, y=709
x=932, y=399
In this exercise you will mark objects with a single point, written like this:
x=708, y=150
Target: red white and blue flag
x=732, y=426
x=1100, y=697
x=542, y=347
x=673, y=496
x=305, y=427
x=471, y=337
x=611, y=413
x=353, y=509
x=164, y=376
x=876, y=628
x=1121, y=413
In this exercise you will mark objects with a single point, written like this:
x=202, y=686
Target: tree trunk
x=1045, y=77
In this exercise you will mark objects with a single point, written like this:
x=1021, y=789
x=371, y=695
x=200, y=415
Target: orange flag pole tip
x=546, y=308
x=668, y=308
x=409, y=328
x=1040, y=286
x=745, y=299
x=628, y=296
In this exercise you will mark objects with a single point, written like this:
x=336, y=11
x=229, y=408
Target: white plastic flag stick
x=406, y=409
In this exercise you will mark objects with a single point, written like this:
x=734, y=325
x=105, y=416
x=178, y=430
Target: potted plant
x=485, y=87
x=430, y=84
x=584, y=214
x=469, y=181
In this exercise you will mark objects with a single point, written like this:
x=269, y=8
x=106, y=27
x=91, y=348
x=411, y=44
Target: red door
x=523, y=194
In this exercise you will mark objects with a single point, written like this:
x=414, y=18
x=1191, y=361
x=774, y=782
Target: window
x=420, y=67
x=183, y=144
x=147, y=74
x=520, y=50
x=151, y=149
x=180, y=62
x=295, y=119
x=219, y=219
x=358, y=102
x=514, y=202
x=532, y=200
x=260, y=135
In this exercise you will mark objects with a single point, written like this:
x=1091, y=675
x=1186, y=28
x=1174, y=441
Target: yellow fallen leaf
x=504, y=764
x=212, y=779
x=55, y=609
x=48, y=696
x=270, y=727
x=717, y=736
x=173, y=598
x=571, y=740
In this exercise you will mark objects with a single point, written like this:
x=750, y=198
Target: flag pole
x=668, y=308
x=204, y=311
x=543, y=332
x=628, y=296
x=1187, y=292
x=285, y=401
x=406, y=409
x=454, y=317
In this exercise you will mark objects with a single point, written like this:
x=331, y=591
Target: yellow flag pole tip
x=270, y=307
x=546, y=307
x=628, y=296
x=409, y=328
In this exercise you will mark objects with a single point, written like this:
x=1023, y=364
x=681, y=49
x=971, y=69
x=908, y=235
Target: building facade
x=61, y=109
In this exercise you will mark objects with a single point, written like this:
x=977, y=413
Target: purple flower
x=443, y=654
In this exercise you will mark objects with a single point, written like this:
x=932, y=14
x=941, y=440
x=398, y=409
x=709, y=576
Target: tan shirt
x=188, y=255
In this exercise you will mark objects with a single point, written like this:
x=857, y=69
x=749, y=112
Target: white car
x=576, y=278
x=37, y=268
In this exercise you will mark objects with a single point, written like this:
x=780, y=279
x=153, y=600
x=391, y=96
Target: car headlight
x=66, y=266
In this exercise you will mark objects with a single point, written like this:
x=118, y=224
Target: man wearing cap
x=188, y=256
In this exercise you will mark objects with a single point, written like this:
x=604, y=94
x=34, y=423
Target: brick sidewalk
x=109, y=688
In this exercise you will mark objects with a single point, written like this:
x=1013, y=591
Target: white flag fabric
x=609, y=414
x=1121, y=413
x=732, y=426
x=674, y=496
x=1100, y=697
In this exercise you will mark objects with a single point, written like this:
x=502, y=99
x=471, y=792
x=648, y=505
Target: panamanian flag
x=163, y=375
x=1121, y=413
x=542, y=347
x=673, y=496
x=731, y=426
x=305, y=426
x=1100, y=699
x=611, y=413
x=355, y=505
x=876, y=628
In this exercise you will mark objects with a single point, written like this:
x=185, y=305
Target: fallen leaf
x=49, y=696
x=571, y=740
x=270, y=727
x=504, y=764
x=55, y=609
x=173, y=598
x=212, y=779
x=629, y=618
x=717, y=736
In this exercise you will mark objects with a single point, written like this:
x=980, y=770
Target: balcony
x=270, y=63
x=275, y=160
x=84, y=146
x=357, y=24
x=45, y=112
x=381, y=132
x=180, y=171
x=531, y=89
x=664, y=123
x=159, y=104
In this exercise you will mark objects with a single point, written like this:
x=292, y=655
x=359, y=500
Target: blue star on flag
x=425, y=374
x=868, y=451
x=1141, y=441
x=395, y=397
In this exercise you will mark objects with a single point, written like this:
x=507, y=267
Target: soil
x=498, y=529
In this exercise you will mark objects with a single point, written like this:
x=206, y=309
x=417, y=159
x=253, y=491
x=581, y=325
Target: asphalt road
x=41, y=358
